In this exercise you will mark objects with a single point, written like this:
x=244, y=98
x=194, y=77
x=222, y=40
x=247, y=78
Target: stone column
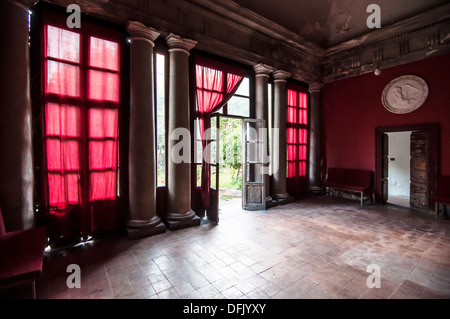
x=315, y=147
x=179, y=214
x=143, y=220
x=16, y=164
x=279, y=150
x=262, y=72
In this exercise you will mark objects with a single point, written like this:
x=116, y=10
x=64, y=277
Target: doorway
x=230, y=162
x=399, y=168
x=424, y=145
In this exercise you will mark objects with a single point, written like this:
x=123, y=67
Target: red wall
x=352, y=109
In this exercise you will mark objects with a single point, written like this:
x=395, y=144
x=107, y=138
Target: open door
x=419, y=170
x=424, y=166
x=253, y=185
x=384, y=168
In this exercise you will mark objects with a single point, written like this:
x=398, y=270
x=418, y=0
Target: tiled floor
x=315, y=248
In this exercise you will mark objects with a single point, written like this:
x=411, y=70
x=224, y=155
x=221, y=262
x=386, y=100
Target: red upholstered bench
x=21, y=255
x=442, y=198
x=355, y=180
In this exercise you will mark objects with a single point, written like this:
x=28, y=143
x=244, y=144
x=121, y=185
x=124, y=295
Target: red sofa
x=21, y=255
x=355, y=180
x=442, y=198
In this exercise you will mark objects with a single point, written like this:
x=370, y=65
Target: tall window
x=297, y=140
x=81, y=100
x=160, y=120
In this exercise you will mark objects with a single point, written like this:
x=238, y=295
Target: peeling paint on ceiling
x=331, y=22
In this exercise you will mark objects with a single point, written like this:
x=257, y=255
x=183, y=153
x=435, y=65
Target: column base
x=283, y=198
x=176, y=221
x=270, y=202
x=315, y=190
x=144, y=228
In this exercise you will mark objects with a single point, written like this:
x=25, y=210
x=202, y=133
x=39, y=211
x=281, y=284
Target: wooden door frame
x=433, y=132
x=245, y=183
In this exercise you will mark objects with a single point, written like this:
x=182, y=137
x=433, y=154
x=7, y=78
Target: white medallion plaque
x=404, y=94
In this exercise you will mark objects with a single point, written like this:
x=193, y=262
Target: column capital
x=262, y=69
x=280, y=75
x=315, y=87
x=177, y=43
x=138, y=31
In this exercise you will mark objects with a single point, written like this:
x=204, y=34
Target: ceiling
x=331, y=22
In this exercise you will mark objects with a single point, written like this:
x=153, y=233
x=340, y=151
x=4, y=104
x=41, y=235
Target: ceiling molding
x=414, y=39
x=225, y=28
x=427, y=19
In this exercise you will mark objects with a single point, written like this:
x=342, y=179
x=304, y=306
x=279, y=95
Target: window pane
x=62, y=79
x=102, y=155
x=291, y=115
x=63, y=155
x=63, y=189
x=160, y=120
x=102, y=123
x=302, y=99
x=213, y=135
x=104, y=54
x=208, y=78
x=239, y=106
x=199, y=175
x=303, y=135
x=103, y=86
x=244, y=88
x=292, y=152
x=199, y=152
x=103, y=185
x=62, y=120
x=302, y=152
x=292, y=98
x=291, y=136
x=63, y=44
x=303, y=117
x=302, y=168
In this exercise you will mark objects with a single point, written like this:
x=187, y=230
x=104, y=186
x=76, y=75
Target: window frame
x=42, y=14
x=297, y=182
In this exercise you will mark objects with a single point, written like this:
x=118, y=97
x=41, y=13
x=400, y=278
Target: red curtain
x=81, y=127
x=214, y=89
x=297, y=139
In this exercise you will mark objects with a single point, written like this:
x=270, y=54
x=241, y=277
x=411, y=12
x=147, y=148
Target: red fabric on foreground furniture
x=443, y=195
x=21, y=255
x=356, y=180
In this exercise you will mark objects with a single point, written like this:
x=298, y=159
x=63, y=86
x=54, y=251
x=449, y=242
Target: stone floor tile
x=318, y=247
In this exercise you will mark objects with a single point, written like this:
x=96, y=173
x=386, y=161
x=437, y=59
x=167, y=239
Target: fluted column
x=143, y=220
x=262, y=72
x=279, y=151
x=315, y=147
x=16, y=164
x=179, y=214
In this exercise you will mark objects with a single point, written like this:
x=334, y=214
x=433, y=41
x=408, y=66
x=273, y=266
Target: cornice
x=224, y=28
x=245, y=18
